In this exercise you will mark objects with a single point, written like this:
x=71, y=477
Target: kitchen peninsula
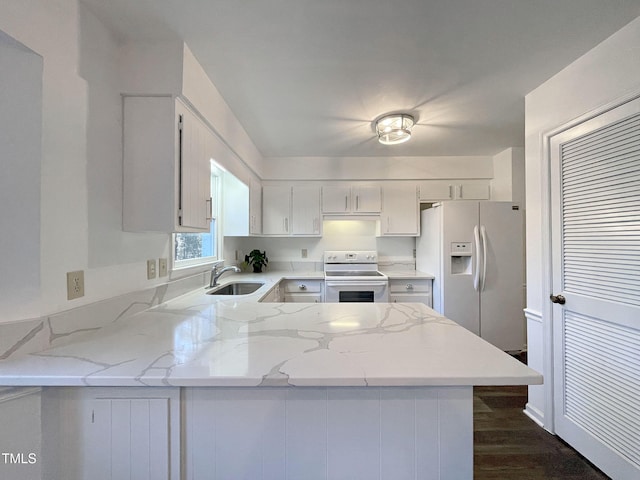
x=228, y=387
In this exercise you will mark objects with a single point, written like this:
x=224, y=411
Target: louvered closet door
x=596, y=267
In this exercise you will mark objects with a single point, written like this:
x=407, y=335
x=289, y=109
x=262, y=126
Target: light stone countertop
x=407, y=275
x=204, y=340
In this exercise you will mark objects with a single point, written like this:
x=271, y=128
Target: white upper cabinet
x=195, y=208
x=306, y=217
x=336, y=199
x=472, y=191
x=436, y=190
x=400, y=210
x=356, y=199
x=167, y=170
x=255, y=208
x=276, y=210
x=366, y=198
x=291, y=210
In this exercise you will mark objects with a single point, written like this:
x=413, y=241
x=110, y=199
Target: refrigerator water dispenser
x=461, y=258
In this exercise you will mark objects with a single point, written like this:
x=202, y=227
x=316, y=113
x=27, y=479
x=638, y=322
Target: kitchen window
x=190, y=249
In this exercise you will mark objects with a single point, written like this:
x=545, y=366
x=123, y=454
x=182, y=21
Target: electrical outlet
x=75, y=284
x=162, y=267
x=304, y=253
x=151, y=269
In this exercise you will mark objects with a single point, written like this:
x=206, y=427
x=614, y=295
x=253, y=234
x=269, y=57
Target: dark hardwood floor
x=509, y=445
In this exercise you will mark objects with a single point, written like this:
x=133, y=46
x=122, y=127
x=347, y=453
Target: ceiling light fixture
x=395, y=128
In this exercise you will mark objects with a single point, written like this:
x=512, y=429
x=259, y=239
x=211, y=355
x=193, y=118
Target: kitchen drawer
x=303, y=286
x=411, y=298
x=410, y=286
x=303, y=298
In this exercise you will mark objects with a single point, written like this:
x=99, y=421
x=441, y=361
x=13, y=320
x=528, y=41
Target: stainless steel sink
x=236, y=288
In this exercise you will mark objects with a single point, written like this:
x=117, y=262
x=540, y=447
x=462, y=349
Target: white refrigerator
x=476, y=252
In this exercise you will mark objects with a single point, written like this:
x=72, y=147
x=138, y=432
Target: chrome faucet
x=215, y=274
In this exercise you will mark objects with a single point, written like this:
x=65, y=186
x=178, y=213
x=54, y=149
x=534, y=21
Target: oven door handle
x=348, y=283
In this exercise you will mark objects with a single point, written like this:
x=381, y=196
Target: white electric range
x=353, y=276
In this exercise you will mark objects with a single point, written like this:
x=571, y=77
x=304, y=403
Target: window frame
x=215, y=226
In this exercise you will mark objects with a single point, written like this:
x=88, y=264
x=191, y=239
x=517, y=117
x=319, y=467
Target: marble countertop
x=204, y=340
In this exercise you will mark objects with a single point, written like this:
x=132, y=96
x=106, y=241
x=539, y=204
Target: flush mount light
x=395, y=128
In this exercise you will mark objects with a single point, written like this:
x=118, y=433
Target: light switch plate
x=75, y=284
x=151, y=269
x=162, y=267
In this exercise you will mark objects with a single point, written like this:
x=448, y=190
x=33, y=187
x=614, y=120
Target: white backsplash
x=27, y=336
x=33, y=335
x=396, y=264
x=336, y=235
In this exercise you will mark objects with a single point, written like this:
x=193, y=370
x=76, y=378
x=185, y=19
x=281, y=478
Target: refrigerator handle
x=483, y=234
x=478, y=254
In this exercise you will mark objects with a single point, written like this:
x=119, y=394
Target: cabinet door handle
x=346, y=204
x=286, y=225
x=357, y=202
x=409, y=286
x=302, y=286
x=210, y=214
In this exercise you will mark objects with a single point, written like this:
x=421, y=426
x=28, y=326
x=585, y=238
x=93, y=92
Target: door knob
x=558, y=299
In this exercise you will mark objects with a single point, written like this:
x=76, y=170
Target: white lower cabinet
x=112, y=433
x=303, y=291
x=323, y=433
x=273, y=295
x=411, y=291
x=257, y=433
x=20, y=433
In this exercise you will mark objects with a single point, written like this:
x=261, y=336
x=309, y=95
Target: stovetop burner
x=352, y=265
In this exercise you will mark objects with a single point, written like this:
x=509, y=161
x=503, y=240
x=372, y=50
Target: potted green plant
x=257, y=259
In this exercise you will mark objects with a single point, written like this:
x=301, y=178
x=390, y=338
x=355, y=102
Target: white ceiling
x=308, y=77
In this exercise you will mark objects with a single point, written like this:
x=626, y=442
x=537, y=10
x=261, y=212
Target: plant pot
x=257, y=269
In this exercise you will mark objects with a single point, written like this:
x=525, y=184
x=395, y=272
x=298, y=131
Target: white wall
x=50, y=28
x=80, y=167
x=20, y=138
x=608, y=72
x=337, y=235
x=108, y=245
x=508, y=183
x=204, y=95
x=377, y=168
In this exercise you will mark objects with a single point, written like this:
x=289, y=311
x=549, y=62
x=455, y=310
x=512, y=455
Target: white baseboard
x=534, y=414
